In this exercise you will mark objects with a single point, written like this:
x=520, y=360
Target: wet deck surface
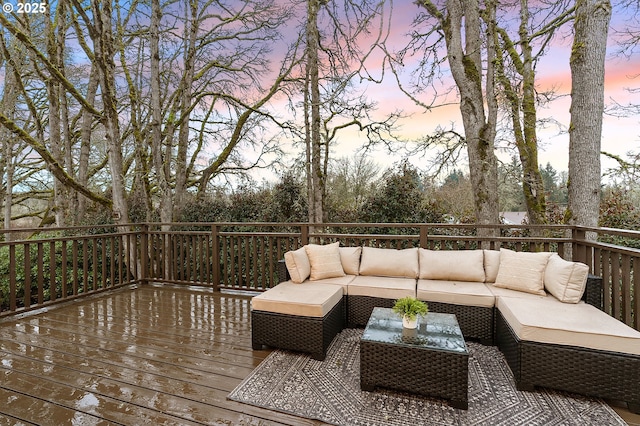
x=152, y=356
x=135, y=356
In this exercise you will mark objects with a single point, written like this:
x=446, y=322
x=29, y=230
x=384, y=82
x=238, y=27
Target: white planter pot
x=407, y=323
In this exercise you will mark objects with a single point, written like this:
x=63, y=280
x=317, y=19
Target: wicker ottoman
x=434, y=361
x=298, y=317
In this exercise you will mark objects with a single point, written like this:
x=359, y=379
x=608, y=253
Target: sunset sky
x=620, y=135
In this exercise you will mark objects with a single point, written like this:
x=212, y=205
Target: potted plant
x=409, y=308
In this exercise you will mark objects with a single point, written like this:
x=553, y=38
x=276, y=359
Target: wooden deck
x=151, y=355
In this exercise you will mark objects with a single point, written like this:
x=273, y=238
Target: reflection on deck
x=151, y=355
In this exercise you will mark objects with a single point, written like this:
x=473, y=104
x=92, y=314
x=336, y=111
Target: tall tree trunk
x=587, y=104
x=104, y=59
x=317, y=175
x=307, y=143
x=465, y=60
x=85, y=143
x=166, y=198
x=185, y=105
x=65, y=126
x=8, y=107
x=54, y=95
x=522, y=104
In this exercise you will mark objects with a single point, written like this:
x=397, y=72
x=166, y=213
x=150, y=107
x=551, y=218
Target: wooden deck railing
x=68, y=263
x=54, y=265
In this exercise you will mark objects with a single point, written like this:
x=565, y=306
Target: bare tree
x=587, y=105
x=7, y=165
x=461, y=25
x=335, y=57
x=515, y=73
x=162, y=168
x=31, y=129
x=316, y=176
x=213, y=60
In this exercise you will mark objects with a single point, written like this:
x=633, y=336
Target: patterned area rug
x=329, y=391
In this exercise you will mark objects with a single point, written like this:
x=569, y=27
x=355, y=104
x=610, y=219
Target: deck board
x=151, y=355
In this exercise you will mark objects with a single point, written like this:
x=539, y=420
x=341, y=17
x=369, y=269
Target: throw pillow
x=325, y=261
x=452, y=265
x=298, y=265
x=491, y=265
x=565, y=280
x=522, y=271
x=350, y=257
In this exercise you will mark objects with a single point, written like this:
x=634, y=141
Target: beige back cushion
x=452, y=265
x=298, y=265
x=325, y=261
x=350, y=257
x=389, y=262
x=522, y=271
x=491, y=265
x=565, y=280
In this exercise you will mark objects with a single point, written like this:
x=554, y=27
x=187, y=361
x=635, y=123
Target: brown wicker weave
x=297, y=333
x=591, y=372
x=359, y=309
x=475, y=322
x=415, y=368
x=594, y=292
x=283, y=272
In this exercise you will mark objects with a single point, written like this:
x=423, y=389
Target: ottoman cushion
x=308, y=300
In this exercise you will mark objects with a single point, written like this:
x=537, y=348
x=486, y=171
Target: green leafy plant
x=410, y=307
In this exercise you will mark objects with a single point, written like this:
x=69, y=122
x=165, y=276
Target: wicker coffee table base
x=416, y=370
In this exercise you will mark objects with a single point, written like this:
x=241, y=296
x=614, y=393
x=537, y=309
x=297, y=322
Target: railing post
x=144, y=254
x=215, y=241
x=12, y=278
x=424, y=236
x=304, y=234
x=579, y=250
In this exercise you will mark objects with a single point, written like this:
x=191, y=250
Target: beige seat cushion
x=547, y=320
x=307, y=300
x=452, y=265
x=343, y=281
x=456, y=293
x=350, y=257
x=565, y=280
x=298, y=265
x=491, y=265
x=505, y=292
x=522, y=271
x=382, y=262
x=383, y=287
x=325, y=261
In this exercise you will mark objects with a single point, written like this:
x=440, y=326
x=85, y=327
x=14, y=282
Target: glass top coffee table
x=431, y=360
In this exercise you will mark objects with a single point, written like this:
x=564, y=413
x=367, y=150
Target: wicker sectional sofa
x=544, y=313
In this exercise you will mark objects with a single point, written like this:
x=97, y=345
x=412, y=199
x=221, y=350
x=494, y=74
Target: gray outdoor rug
x=329, y=391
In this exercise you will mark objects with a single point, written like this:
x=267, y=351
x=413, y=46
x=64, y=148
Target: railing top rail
x=612, y=247
x=447, y=237
x=65, y=228
x=358, y=224
x=67, y=238
x=611, y=231
x=325, y=225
